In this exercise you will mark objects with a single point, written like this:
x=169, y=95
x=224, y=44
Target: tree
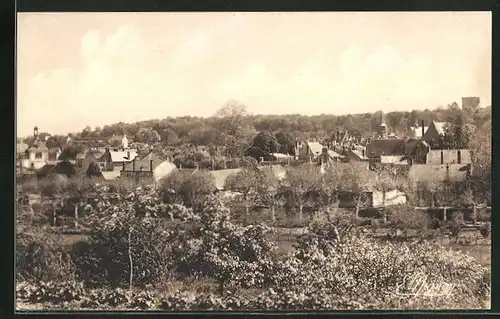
x=299, y=183
x=93, y=170
x=228, y=252
x=235, y=133
x=65, y=168
x=148, y=136
x=263, y=144
x=267, y=190
x=246, y=182
x=481, y=161
x=331, y=180
x=56, y=141
x=115, y=141
x=459, y=134
x=70, y=152
x=86, y=131
x=356, y=181
x=286, y=142
x=191, y=187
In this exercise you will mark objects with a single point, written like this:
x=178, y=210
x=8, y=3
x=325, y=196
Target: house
x=393, y=159
x=462, y=156
x=115, y=159
x=372, y=199
x=356, y=153
x=416, y=151
x=378, y=147
x=435, y=133
x=37, y=155
x=329, y=156
x=281, y=156
x=163, y=170
x=416, y=132
x=439, y=173
x=309, y=151
x=111, y=175
x=84, y=158
x=143, y=168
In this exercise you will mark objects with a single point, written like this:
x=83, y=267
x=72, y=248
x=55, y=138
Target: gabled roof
x=38, y=146
x=163, y=169
x=416, y=132
x=144, y=163
x=122, y=156
x=221, y=176
x=386, y=147
x=111, y=175
x=315, y=147
x=440, y=127
x=334, y=154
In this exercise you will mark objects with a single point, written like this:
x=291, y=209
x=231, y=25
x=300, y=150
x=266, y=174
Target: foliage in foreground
x=323, y=273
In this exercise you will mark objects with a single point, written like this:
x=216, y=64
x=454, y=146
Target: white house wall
x=393, y=197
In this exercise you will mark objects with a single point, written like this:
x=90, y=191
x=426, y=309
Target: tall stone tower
x=471, y=103
x=382, y=128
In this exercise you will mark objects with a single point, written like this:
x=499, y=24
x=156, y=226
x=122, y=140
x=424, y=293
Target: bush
x=403, y=216
x=105, y=259
x=41, y=257
x=362, y=268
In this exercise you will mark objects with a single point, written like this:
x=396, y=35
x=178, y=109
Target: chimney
x=363, y=152
x=123, y=166
x=128, y=155
x=35, y=131
x=151, y=165
x=423, y=130
x=133, y=165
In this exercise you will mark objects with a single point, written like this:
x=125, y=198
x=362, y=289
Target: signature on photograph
x=419, y=285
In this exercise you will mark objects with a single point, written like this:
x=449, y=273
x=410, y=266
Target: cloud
x=140, y=71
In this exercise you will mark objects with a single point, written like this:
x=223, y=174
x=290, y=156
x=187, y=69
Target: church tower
x=125, y=142
x=382, y=128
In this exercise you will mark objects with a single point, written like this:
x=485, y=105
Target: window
x=459, y=157
x=38, y=155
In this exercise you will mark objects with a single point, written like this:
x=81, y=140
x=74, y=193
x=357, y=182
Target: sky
x=79, y=69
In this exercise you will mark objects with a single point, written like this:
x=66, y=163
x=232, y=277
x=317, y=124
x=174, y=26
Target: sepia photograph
x=253, y=161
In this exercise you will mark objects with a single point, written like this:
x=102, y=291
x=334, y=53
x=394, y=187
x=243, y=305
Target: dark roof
x=144, y=163
x=38, y=146
x=376, y=148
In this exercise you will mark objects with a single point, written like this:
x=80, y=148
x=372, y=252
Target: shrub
x=361, y=267
x=403, y=216
x=105, y=258
x=41, y=257
x=485, y=230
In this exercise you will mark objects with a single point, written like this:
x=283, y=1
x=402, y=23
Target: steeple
x=35, y=132
x=125, y=142
x=382, y=128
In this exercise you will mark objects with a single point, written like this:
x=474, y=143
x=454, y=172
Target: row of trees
x=143, y=253
x=232, y=125
x=306, y=187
